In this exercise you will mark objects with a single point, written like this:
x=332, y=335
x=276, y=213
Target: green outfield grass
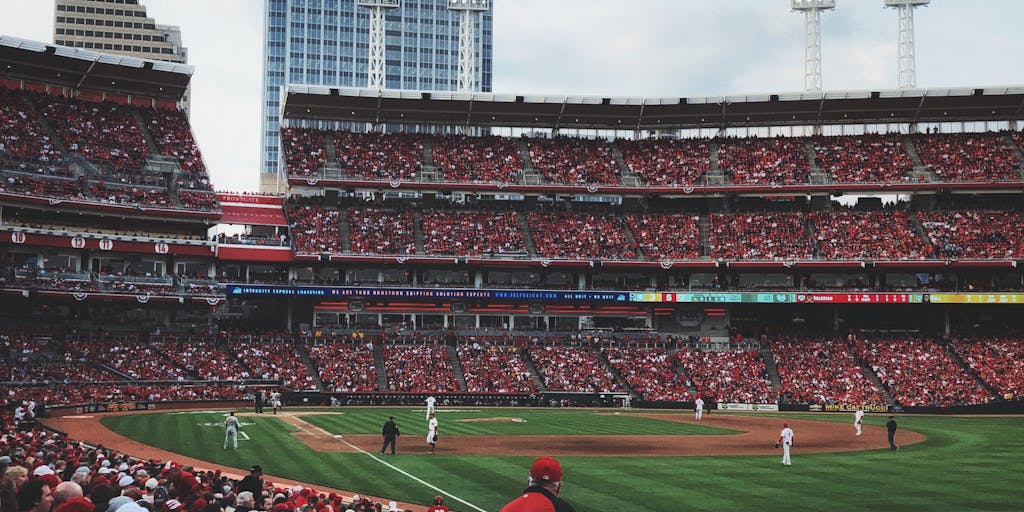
x=967, y=463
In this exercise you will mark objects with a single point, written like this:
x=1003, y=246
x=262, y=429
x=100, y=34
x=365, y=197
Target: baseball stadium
x=778, y=301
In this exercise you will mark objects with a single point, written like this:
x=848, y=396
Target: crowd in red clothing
x=974, y=234
x=23, y=138
x=277, y=361
x=667, y=162
x=650, y=372
x=135, y=360
x=584, y=235
x=420, y=368
x=666, y=236
x=888, y=235
x=759, y=236
x=488, y=159
x=998, y=360
x=203, y=201
x=573, y=369
x=39, y=372
x=919, y=372
x=345, y=367
x=868, y=158
x=376, y=231
x=575, y=161
x=173, y=137
x=39, y=186
x=822, y=371
x=304, y=151
x=315, y=229
x=204, y=359
x=968, y=156
x=730, y=376
x=380, y=156
x=98, y=131
x=753, y=161
x=466, y=232
x=494, y=369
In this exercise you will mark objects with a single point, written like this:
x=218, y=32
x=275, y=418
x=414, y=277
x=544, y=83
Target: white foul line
x=402, y=471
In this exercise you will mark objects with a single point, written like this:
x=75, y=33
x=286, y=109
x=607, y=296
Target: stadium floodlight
x=375, y=71
x=468, y=11
x=812, y=53
x=907, y=78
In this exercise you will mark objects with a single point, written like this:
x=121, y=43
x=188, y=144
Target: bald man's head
x=65, y=491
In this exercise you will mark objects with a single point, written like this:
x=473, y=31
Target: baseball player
x=231, y=430
x=275, y=400
x=430, y=406
x=786, y=440
x=432, y=433
x=858, y=419
x=698, y=407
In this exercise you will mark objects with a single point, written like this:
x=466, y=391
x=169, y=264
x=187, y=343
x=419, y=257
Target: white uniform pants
x=231, y=435
x=785, y=454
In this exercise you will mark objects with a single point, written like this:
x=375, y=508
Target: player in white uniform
x=275, y=400
x=231, y=430
x=786, y=440
x=698, y=406
x=858, y=419
x=430, y=406
x=432, y=432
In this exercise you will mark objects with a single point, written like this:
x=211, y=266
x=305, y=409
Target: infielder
x=786, y=440
x=430, y=406
x=699, y=407
x=858, y=419
x=231, y=430
x=432, y=433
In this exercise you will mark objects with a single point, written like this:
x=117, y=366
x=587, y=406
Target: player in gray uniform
x=231, y=430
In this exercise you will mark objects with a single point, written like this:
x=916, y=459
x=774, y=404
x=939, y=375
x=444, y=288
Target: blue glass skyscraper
x=326, y=42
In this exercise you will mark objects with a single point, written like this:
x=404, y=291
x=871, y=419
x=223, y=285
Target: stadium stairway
x=921, y=172
x=300, y=349
x=524, y=227
x=923, y=233
x=534, y=374
x=148, y=137
x=631, y=239
x=627, y=176
x=817, y=176
x=610, y=368
x=530, y=174
x=378, y=361
x=773, y=371
x=428, y=151
x=332, y=168
x=704, y=227
x=681, y=372
x=112, y=371
x=417, y=231
x=873, y=377
x=50, y=132
x=1016, y=151
x=460, y=376
x=713, y=157
x=344, y=231
x=970, y=371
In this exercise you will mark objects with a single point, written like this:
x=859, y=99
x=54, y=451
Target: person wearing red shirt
x=438, y=505
x=542, y=494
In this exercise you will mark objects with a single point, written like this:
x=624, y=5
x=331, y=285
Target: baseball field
x=620, y=460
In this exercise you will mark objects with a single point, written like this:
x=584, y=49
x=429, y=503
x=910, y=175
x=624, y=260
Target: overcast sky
x=606, y=47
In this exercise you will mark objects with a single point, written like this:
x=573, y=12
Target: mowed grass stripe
x=966, y=464
x=535, y=422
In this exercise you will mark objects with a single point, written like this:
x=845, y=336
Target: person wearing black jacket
x=890, y=426
x=542, y=494
x=253, y=482
x=390, y=433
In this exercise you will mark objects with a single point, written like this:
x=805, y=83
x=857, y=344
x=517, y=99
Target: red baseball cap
x=546, y=468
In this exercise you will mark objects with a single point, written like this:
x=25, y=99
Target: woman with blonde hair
x=13, y=479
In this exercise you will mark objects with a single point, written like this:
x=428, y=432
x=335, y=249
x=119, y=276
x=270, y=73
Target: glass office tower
x=326, y=42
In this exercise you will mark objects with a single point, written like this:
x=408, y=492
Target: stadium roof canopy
x=86, y=69
x=639, y=113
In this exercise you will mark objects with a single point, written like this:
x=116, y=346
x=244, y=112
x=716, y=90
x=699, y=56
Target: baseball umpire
x=390, y=434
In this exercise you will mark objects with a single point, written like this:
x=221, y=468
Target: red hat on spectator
x=546, y=468
x=79, y=504
x=198, y=504
x=50, y=479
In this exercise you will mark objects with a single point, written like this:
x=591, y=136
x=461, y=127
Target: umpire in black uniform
x=390, y=434
x=890, y=427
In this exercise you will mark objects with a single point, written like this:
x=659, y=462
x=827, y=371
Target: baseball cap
x=546, y=468
x=5, y=460
x=256, y=468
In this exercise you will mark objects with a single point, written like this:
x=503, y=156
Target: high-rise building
x=116, y=26
x=326, y=42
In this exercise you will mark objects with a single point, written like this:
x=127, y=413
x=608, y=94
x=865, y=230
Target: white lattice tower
x=812, y=53
x=468, y=11
x=907, y=78
x=375, y=68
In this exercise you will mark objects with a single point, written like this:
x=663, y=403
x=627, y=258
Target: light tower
x=375, y=71
x=908, y=69
x=812, y=53
x=468, y=11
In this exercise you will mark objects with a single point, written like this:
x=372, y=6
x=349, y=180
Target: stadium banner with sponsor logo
x=729, y=406
x=848, y=408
